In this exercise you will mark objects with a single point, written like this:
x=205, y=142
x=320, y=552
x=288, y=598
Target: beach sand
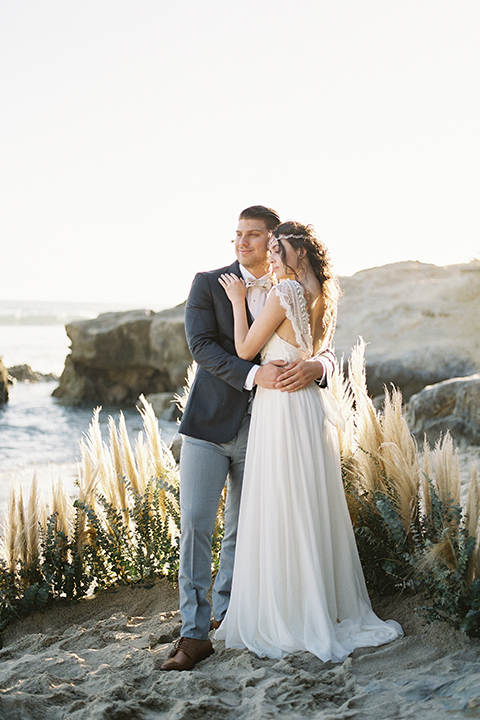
x=99, y=659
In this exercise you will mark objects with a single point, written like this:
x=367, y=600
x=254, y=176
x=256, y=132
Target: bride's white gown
x=297, y=582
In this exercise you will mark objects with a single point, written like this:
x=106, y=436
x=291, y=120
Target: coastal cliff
x=118, y=356
x=421, y=323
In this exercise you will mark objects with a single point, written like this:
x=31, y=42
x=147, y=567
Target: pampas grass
x=10, y=531
x=473, y=522
x=122, y=527
x=365, y=428
x=411, y=529
x=181, y=400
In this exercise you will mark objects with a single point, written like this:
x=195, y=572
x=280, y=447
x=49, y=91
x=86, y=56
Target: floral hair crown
x=292, y=236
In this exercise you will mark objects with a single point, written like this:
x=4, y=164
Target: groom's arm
x=201, y=329
x=302, y=373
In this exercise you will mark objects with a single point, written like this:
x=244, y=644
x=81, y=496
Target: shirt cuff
x=323, y=380
x=250, y=379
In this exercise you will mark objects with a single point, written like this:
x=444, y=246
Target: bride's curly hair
x=304, y=236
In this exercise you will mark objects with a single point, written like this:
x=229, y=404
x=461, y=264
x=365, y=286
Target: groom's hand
x=300, y=374
x=268, y=374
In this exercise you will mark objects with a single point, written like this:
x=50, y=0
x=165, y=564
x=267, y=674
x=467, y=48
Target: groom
x=215, y=428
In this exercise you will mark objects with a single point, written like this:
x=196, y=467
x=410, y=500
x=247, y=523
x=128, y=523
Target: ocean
x=37, y=433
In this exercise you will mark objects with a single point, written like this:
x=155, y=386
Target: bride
x=297, y=582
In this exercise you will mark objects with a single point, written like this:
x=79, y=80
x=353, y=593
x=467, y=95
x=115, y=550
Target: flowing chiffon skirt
x=297, y=583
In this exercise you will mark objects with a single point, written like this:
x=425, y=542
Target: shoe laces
x=181, y=644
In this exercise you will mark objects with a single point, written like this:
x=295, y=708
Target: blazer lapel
x=235, y=269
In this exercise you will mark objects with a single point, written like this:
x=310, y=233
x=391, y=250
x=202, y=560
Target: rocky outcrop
x=452, y=405
x=3, y=384
x=119, y=356
x=164, y=406
x=421, y=323
x=24, y=373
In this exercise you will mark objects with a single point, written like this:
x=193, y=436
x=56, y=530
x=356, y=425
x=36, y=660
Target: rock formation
x=3, y=383
x=118, y=356
x=24, y=373
x=164, y=406
x=421, y=323
x=452, y=405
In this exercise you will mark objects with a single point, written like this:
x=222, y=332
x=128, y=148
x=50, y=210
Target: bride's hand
x=234, y=287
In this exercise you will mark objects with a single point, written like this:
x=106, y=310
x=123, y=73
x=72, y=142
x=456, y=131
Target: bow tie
x=264, y=284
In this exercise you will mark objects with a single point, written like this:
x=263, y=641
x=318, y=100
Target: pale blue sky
x=133, y=133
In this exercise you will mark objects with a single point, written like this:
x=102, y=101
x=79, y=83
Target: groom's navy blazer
x=217, y=401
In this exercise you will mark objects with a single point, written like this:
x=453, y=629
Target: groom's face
x=251, y=246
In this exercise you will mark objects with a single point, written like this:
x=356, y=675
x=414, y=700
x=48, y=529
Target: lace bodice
x=292, y=298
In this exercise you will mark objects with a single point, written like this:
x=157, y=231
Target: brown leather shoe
x=216, y=624
x=187, y=652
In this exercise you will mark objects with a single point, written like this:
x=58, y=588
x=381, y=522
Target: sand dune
x=99, y=659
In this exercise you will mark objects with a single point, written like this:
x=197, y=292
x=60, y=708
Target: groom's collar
x=246, y=274
x=242, y=271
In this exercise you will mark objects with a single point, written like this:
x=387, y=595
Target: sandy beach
x=99, y=659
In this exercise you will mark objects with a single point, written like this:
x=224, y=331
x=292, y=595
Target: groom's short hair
x=269, y=216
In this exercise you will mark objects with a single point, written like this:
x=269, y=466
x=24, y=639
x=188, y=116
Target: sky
x=132, y=134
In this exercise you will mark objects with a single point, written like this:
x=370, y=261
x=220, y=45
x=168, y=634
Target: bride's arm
x=249, y=341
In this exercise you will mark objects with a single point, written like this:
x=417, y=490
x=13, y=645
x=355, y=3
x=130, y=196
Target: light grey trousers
x=204, y=469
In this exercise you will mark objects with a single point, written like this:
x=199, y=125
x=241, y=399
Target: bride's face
x=283, y=267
